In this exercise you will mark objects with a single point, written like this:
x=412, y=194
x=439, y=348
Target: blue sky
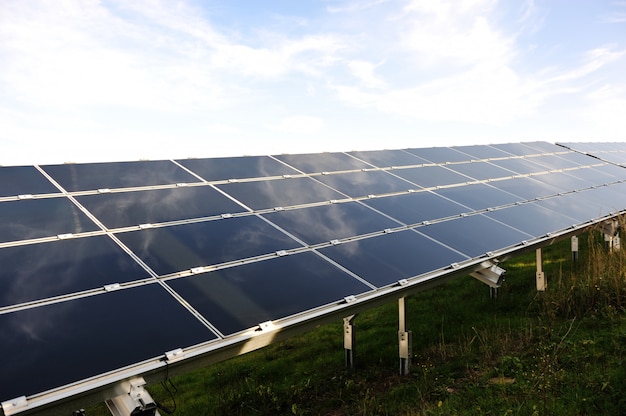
x=119, y=80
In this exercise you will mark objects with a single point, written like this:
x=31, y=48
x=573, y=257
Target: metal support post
x=132, y=400
x=404, y=340
x=574, y=248
x=541, y=278
x=349, y=340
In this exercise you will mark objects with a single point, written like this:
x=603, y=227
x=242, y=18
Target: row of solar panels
x=199, y=251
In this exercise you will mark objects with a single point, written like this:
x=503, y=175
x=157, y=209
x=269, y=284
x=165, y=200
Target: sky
x=114, y=80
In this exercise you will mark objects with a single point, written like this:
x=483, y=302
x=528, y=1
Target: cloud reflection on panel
x=38, y=271
x=38, y=218
x=147, y=207
x=182, y=247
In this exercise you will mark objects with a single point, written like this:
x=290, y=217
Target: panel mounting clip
x=490, y=274
x=15, y=405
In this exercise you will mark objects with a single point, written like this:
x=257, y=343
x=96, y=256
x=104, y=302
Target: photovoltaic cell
x=519, y=166
x=576, y=205
x=480, y=170
x=565, y=182
x=323, y=223
x=280, y=193
x=359, y=184
x=386, y=259
x=441, y=154
x=478, y=196
x=416, y=207
x=123, y=209
x=532, y=219
x=21, y=180
x=474, y=235
x=526, y=187
x=91, y=176
x=517, y=149
x=431, y=176
x=39, y=271
x=182, y=247
x=480, y=152
x=37, y=218
x=53, y=345
x=219, y=169
x=389, y=158
x=238, y=298
x=322, y=162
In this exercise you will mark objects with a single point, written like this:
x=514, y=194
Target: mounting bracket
x=132, y=400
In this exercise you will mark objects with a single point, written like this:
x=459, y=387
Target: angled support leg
x=349, y=340
x=541, y=278
x=404, y=340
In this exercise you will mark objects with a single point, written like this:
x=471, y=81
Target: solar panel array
x=106, y=266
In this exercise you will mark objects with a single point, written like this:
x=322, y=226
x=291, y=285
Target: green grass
x=560, y=352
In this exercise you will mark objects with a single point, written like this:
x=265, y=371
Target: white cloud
x=299, y=124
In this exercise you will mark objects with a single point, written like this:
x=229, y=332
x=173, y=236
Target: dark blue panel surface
x=280, y=192
x=182, y=247
x=532, y=219
x=238, y=298
x=474, y=235
x=517, y=149
x=38, y=271
x=482, y=151
x=564, y=181
x=416, y=207
x=578, y=205
x=563, y=161
x=36, y=218
x=480, y=170
x=526, y=187
x=358, y=184
x=385, y=259
x=441, y=154
x=20, y=180
x=324, y=223
x=322, y=162
x=90, y=176
x=54, y=345
x=478, y=196
x=389, y=158
x=122, y=209
x=219, y=169
x=431, y=176
x=520, y=166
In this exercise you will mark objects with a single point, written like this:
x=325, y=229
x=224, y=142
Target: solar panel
x=112, y=270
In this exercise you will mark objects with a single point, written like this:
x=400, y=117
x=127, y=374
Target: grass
x=560, y=352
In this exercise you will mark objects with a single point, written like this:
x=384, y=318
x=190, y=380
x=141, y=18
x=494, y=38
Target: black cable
x=171, y=392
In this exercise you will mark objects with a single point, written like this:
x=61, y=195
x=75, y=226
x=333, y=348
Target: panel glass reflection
x=58, y=344
x=218, y=169
x=385, y=259
x=474, y=235
x=480, y=170
x=478, y=152
x=280, y=192
x=520, y=166
x=238, y=298
x=122, y=209
x=358, y=184
x=431, y=176
x=577, y=205
x=532, y=219
x=416, y=207
x=478, y=196
x=441, y=154
x=564, y=181
x=182, y=247
x=517, y=149
x=322, y=162
x=389, y=158
x=91, y=176
x=38, y=271
x=35, y=218
x=526, y=187
x=20, y=180
x=324, y=223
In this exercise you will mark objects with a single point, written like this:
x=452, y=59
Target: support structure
x=349, y=340
x=404, y=339
x=491, y=275
x=132, y=400
x=574, y=248
x=540, y=276
x=610, y=229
